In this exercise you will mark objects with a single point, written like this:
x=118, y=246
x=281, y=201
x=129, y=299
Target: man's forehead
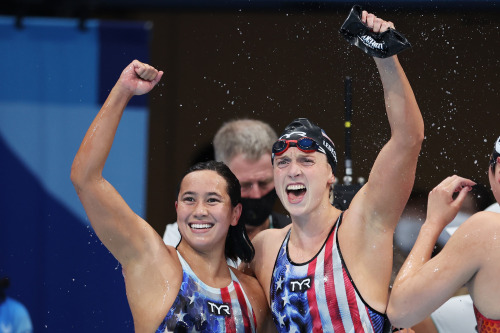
x=247, y=170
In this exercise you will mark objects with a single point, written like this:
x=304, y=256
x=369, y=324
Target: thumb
x=157, y=78
x=462, y=195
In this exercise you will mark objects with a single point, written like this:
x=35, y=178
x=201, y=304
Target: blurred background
x=271, y=60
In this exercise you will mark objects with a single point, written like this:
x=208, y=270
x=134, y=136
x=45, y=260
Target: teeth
x=201, y=226
x=295, y=187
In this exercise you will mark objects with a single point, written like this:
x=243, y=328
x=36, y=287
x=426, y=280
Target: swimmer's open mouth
x=201, y=225
x=296, y=190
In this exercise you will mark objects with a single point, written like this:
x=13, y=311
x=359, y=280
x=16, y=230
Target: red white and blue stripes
x=319, y=296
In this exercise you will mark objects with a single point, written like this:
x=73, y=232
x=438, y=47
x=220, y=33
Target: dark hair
x=493, y=161
x=238, y=245
x=494, y=155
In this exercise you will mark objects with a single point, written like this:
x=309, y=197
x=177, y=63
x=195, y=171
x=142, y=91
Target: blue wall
x=55, y=77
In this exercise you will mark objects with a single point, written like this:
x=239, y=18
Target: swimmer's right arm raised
x=116, y=225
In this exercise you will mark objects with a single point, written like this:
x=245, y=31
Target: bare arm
x=375, y=210
x=423, y=284
x=267, y=244
x=393, y=173
x=116, y=225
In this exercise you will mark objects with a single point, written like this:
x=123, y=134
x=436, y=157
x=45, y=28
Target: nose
x=254, y=192
x=200, y=210
x=294, y=169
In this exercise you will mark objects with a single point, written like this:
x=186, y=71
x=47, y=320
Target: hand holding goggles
x=305, y=144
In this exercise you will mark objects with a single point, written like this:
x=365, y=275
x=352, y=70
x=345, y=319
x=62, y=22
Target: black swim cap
x=380, y=45
x=496, y=149
x=302, y=127
x=495, y=154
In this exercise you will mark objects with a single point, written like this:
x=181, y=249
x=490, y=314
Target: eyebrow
x=306, y=155
x=250, y=182
x=196, y=193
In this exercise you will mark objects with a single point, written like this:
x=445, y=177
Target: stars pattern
x=279, y=283
x=190, y=311
x=302, y=299
x=281, y=319
x=286, y=298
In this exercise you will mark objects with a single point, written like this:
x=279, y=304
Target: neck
x=308, y=233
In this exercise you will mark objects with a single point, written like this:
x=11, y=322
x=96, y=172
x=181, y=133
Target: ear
x=331, y=180
x=236, y=214
x=176, y=205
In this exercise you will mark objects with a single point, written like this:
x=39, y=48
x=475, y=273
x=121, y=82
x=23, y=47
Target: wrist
x=122, y=93
x=432, y=227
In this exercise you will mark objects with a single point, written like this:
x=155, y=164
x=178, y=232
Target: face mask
x=256, y=211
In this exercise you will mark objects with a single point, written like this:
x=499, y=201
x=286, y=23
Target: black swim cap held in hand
x=380, y=45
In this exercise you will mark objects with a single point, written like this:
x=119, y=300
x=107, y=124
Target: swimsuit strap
x=186, y=268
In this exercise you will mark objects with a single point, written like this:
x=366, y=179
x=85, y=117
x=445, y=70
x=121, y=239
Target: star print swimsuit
x=201, y=308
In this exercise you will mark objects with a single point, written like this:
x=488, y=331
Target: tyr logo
x=301, y=285
x=219, y=309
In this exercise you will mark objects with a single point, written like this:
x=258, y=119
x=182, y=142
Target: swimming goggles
x=305, y=144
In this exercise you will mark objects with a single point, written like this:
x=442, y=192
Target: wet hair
x=238, y=245
x=250, y=137
x=494, y=155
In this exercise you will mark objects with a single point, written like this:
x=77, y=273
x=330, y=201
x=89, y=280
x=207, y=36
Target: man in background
x=244, y=145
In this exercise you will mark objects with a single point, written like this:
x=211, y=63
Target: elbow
x=420, y=135
x=416, y=137
x=84, y=176
x=78, y=176
x=400, y=313
x=417, y=140
x=395, y=317
x=412, y=140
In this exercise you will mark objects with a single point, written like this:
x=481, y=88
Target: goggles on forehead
x=305, y=144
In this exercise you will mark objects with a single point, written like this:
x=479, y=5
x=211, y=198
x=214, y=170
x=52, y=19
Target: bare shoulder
x=171, y=253
x=250, y=285
x=257, y=299
x=267, y=244
x=478, y=240
x=160, y=258
x=479, y=233
x=269, y=237
x=482, y=223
